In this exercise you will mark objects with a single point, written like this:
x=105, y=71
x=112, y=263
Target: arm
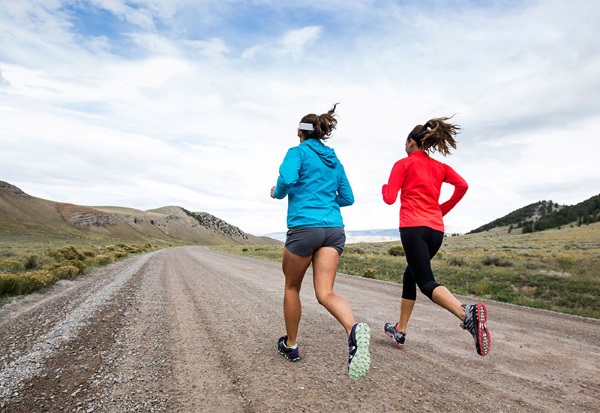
x=391, y=189
x=288, y=173
x=460, y=189
x=345, y=196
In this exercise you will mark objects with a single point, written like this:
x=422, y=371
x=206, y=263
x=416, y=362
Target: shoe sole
x=286, y=356
x=484, y=340
x=393, y=339
x=362, y=359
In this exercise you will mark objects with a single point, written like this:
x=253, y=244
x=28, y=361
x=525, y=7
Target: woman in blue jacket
x=316, y=185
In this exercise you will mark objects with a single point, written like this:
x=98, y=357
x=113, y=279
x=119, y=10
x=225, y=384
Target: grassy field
x=555, y=270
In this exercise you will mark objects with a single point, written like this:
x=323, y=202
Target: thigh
x=294, y=267
x=325, y=263
x=435, y=242
x=415, y=241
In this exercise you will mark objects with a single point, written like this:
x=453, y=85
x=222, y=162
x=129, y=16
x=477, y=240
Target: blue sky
x=194, y=103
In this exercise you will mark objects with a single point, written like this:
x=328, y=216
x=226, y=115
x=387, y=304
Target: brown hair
x=323, y=124
x=435, y=135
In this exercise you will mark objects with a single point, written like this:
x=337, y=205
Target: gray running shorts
x=305, y=241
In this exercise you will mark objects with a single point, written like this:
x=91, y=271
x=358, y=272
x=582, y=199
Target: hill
x=23, y=217
x=544, y=215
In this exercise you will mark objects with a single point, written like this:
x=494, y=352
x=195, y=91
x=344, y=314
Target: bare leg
x=325, y=262
x=444, y=298
x=406, y=308
x=294, y=267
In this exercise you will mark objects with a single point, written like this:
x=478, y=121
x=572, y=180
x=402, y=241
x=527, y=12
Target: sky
x=144, y=104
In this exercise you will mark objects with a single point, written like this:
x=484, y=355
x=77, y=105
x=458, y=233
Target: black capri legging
x=420, y=245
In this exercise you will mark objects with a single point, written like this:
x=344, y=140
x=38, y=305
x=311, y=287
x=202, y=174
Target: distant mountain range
x=23, y=216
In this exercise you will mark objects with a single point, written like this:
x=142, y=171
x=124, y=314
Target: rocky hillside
x=25, y=216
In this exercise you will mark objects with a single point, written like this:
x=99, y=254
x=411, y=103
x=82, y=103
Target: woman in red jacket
x=419, y=179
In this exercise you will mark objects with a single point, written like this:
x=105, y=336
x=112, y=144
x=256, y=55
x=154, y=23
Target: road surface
x=189, y=329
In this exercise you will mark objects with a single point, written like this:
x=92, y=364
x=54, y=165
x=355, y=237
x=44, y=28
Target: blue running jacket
x=316, y=185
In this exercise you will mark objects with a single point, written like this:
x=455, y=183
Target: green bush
x=396, y=251
x=25, y=283
x=66, y=272
x=103, y=259
x=67, y=253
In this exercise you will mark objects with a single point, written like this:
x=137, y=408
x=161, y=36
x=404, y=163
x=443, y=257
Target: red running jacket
x=419, y=179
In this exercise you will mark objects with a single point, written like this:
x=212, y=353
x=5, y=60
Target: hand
x=273, y=192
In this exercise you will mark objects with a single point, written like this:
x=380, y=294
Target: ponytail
x=436, y=135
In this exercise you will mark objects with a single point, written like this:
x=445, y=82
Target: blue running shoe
x=359, y=358
x=290, y=353
x=398, y=337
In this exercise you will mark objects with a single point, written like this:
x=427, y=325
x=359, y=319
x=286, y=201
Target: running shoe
x=398, y=337
x=359, y=358
x=290, y=353
x=475, y=323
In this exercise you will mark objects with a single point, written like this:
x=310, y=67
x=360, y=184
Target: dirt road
x=193, y=330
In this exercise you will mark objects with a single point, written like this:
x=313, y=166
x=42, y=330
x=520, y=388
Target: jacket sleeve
x=460, y=189
x=391, y=189
x=289, y=171
x=345, y=196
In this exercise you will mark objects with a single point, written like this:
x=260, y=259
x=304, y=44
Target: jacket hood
x=327, y=154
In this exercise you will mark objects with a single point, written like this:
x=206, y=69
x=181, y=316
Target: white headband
x=306, y=126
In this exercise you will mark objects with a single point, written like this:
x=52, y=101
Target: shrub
x=103, y=259
x=497, y=261
x=457, y=261
x=121, y=254
x=16, y=284
x=66, y=272
x=66, y=254
x=370, y=273
x=396, y=251
x=32, y=262
x=11, y=266
x=80, y=265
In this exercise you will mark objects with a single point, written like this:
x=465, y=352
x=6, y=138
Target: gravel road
x=189, y=329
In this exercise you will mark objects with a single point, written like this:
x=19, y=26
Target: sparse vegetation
x=23, y=272
x=556, y=270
